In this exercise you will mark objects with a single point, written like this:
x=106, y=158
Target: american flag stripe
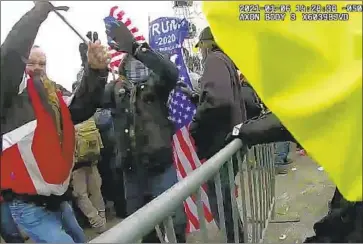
x=187, y=161
x=190, y=207
x=193, y=223
x=194, y=160
x=116, y=14
x=190, y=143
x=185, y=148
x=117, y=57
x=120, y=15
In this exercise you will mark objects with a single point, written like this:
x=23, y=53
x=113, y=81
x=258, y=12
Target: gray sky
x=61, y=44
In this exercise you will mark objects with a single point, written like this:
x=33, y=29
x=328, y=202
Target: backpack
x=104, y=122
x=88, y=142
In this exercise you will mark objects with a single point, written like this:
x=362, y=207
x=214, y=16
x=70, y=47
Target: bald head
x=37, y=61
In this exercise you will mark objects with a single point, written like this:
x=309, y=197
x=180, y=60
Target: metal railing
x=253, y=207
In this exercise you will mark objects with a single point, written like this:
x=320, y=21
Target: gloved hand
x=235, y=133
x=264, y=129
x=92, y=36
x=83, y=47
x=192, y=94
x=119, y=36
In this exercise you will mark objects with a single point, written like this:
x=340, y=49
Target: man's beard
x=40, y=73
x=36, y=73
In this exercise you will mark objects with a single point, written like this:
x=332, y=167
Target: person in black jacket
x=142, y=128
x=39, y=215
x=344, y=221
x=220, y=97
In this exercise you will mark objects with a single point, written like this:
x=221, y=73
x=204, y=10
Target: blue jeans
x=9, y=230
x=41, y=225
x=70, y=223
x=281, y=152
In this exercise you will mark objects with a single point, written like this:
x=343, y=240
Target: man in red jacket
x=37, y=128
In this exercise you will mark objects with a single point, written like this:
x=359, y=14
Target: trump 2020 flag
x=307, y=71
x=166, y=35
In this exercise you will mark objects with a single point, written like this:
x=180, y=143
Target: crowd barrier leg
x=257, y=191
x=235, y=213
x=222, y=220
x=241, y=170
x=201, y=216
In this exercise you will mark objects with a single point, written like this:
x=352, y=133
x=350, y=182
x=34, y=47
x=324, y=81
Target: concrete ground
x=304, y=193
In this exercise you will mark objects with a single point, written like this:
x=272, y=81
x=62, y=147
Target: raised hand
x=98, y=57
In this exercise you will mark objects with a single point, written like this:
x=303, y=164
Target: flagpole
x=66, y=21
x=148, y=25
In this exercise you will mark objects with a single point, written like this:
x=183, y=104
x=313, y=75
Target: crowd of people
x=65, y=154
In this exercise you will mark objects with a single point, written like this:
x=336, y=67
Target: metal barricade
x=251, y=209
x=257, y=191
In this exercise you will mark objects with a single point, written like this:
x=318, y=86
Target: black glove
x=124, y=41
x=83, y=47
x=192, y=94
x=92, y=36
x=195, y=98
x=264, y=129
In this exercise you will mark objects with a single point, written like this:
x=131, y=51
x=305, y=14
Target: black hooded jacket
x=142, y=128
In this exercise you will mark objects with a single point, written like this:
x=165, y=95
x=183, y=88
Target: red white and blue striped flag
x=116, y=56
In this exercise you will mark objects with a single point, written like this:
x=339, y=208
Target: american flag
x=118, y=14
x=181, y=111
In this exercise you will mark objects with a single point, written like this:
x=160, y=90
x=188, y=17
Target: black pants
x=142, y=186
x=112, y=183
x=343, y=223
x=336, y=200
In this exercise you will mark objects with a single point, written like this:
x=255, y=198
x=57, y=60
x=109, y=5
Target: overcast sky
x=61, y=44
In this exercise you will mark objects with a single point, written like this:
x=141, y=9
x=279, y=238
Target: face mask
x=135, y=71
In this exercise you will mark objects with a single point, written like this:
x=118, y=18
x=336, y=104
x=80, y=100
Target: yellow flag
x=307, y=69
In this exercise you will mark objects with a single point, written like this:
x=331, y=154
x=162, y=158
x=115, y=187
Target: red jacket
x=33, y=160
